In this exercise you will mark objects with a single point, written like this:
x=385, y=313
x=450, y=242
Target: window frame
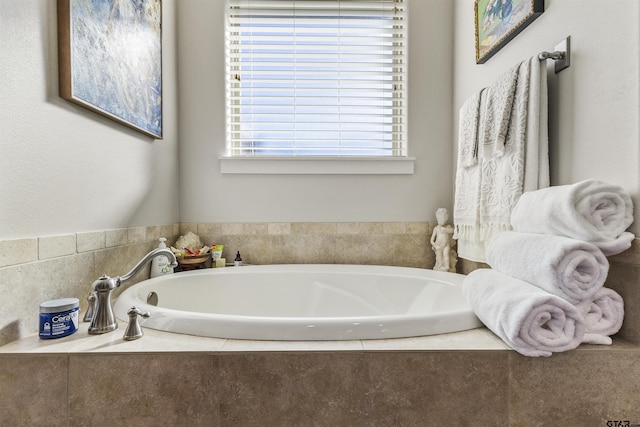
x=322, y=164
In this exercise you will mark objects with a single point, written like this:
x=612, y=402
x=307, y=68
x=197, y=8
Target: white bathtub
x=304, y=302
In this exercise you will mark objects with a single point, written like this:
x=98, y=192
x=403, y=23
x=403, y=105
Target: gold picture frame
x=497, y=22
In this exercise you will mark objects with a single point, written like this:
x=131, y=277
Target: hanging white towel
x=591, y=210
x=467, y=185
x=536, y=156
x=495, y=112
x=603, y=314
x=511, y=158
x=468, y=131
x=569, y=268
x=528, y=319
x=498, y=113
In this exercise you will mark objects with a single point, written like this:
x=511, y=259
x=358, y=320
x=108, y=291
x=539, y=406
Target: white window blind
x=316, y=77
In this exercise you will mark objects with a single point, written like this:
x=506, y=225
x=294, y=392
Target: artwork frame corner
x=110, y=60
x=497, y=22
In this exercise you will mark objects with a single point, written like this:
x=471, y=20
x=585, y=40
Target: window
x=316, y=77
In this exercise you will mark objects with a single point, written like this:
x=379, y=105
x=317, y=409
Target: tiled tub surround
x=45, y=268
x=467, y=378
x=404, y=244
x=39, y=269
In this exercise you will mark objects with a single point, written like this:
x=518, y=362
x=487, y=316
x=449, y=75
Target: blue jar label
x=58, y=325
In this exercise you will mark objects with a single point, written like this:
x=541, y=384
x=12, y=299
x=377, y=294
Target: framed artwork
x=499, y=21
x=110, y=59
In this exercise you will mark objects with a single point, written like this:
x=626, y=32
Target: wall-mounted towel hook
x=555, y=55
x=561, y=54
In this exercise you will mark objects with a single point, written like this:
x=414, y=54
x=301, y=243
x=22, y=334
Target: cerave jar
x=59, y=318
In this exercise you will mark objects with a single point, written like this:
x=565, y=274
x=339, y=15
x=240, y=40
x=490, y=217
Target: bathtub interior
x=302, y=295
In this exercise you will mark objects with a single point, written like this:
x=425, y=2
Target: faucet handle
x=134, y=331
x=91, y=309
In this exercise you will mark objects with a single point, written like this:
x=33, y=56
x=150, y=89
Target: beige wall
x=64, y=169
x=313, y=198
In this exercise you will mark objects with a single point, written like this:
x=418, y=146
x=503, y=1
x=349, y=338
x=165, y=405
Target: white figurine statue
x=442, y=243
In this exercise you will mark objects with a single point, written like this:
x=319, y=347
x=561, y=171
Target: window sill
x=317, y=165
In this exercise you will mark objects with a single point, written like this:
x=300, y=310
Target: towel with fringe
x=467, y=194
x=512, y=157
x=569, y=268
x=530, y=320
x=603, y=315
x=591, y=210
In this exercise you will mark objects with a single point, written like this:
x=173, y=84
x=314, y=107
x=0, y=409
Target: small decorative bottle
x=238, y=261
x=160, y=264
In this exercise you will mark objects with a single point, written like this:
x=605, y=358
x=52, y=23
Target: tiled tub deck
x=463, y=378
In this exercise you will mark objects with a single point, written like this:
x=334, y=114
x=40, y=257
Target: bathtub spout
x=103, y=319
x=147, y=258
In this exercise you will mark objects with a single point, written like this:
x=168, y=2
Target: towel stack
x=545, y=291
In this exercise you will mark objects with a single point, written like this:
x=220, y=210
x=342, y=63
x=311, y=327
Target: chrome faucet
x=103, y=319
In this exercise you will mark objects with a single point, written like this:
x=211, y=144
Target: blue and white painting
x=116, y=60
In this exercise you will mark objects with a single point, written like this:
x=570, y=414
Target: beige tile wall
x=584, y=387
x=624, y=278
x=37, y=269
x=399, y=244
x=50, y=267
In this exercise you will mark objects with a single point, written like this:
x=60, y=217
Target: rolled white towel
x=569, y=268
x=592, y=211
x=603, y=314
x=530, y=320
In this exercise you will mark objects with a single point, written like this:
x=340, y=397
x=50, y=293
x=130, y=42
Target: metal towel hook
x=561, y=54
